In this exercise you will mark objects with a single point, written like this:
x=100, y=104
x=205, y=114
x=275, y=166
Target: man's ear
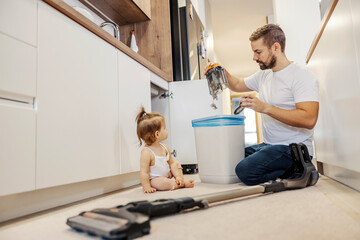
x=276, y=47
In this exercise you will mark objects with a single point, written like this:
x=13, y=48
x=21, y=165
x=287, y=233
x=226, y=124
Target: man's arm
x=305, y=115
x=235, y=84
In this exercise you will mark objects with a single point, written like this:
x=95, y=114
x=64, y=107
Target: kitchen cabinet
x=17, y=147
x=18, y=19
x=134, y=92
x=17, y=69
x=77, y=120
x=191, y=100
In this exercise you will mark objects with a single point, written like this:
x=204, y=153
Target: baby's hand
x=149, y=190
x=180, y=181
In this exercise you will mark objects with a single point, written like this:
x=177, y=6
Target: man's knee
x=243, y=172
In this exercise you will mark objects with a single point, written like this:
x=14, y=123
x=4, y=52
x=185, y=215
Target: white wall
x=208, y=26
x=323, y=6
x=300, y=21
x=336, y=63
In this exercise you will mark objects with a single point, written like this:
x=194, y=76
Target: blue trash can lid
x=218, y=120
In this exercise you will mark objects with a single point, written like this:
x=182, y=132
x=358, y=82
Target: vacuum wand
x=133, y=219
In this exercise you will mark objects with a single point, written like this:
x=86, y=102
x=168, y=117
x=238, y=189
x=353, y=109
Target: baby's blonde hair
x=147, y=125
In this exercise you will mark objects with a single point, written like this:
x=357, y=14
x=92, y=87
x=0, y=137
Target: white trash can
x=219, y=147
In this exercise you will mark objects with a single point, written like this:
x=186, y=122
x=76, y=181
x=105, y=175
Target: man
x=288, y=102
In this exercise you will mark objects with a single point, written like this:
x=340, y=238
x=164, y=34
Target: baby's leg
x=163, y=183
x=189, y=183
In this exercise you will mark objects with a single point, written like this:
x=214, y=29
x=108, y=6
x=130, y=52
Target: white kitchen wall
x=300, y=21
x=210, y=54
x=323, y=6
x=336, y=63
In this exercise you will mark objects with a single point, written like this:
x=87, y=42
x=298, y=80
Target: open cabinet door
x=188, y=100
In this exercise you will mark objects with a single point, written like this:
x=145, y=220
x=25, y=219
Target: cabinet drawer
x=18, y=18
x=17, y=69
x=17, y=147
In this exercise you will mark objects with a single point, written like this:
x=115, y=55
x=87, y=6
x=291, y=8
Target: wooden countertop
x=88, y=24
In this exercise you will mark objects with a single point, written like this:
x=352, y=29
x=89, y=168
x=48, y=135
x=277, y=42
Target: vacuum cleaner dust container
x=219, y=147
x=216, y=78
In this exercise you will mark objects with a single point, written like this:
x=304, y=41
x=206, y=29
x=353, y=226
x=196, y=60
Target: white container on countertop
x=219, y=147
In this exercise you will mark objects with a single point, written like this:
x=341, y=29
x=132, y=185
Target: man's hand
x=252, y=102
x=304, y=116
x=208, y=66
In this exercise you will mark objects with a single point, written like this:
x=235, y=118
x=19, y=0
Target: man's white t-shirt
x=283, y=89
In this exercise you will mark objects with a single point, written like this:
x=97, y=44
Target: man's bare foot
x=189, y=183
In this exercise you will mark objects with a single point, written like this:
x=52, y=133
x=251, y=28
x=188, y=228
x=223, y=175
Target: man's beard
x=270, y=65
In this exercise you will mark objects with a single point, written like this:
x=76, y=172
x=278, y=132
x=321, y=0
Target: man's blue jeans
x=263, y=162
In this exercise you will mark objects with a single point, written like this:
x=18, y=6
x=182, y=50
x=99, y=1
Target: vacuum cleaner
x=217, y=82
x=133, y=219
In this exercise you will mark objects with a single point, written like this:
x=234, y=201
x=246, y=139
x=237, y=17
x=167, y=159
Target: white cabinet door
x=18, y=19
x=134, y=92
x=190, y=100
x=17, y=147
x=17, y=69
x=77, y=122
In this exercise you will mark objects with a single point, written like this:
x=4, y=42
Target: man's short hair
x=270, y=33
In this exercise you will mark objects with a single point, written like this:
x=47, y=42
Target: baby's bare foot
x=189, y=183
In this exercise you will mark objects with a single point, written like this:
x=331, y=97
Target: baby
x=157, y=166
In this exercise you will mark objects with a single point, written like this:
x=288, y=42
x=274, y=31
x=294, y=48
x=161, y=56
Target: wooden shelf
x=153, y=37
x=124, y=12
